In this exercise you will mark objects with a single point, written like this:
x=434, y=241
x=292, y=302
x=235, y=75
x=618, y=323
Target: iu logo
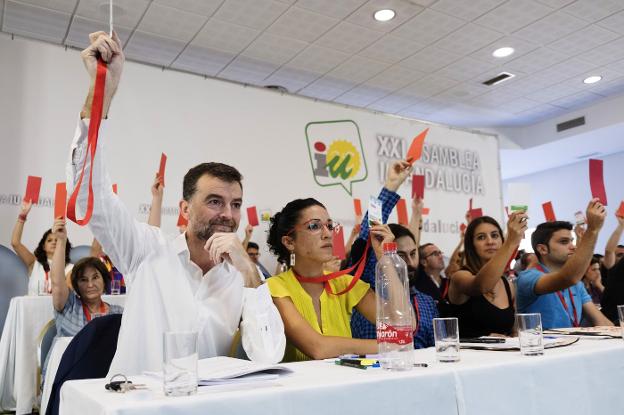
x=336, y=153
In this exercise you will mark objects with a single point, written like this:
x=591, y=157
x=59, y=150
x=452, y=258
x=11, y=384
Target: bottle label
x=401, y=335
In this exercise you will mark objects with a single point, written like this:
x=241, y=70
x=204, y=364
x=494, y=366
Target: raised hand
x=380, y=234
x=516, y=226
x=398, y=171
x=595, y=214
x=59, y=230
x=25, y=209
x=157, y=187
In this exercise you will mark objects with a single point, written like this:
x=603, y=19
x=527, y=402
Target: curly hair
x=283, y=222
x=41, y=255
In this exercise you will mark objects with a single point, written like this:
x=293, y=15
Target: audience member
x=592, y=281
x=113, y=272
x=203, y=280
x=89, y=279
x=316, y=317
x=38, y=262
x=429, y=278
x=253, y=250
x=554, y=288
x=528, y=260
x=479, y=295
x=613, y=294
x=613, y=251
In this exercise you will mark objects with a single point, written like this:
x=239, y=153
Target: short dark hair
x=221, y=171
x=472, y=261
x=283, y=222
x=400, y=231
x=89, y=262
x=421, y=251
x=42, y=256
x=544, y=232
x=620, y=246
x=252, y=245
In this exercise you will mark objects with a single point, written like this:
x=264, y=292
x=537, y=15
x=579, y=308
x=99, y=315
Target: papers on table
x=598, y=332
x=222, y=370
x=513, y=344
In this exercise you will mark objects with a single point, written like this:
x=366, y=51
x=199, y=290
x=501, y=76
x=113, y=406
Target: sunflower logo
x=343, y=159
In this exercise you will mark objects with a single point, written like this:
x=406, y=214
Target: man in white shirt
x=202, y=280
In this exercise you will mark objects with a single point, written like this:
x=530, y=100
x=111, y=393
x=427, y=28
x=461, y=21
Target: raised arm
x=576, y=265
x=464, y=283
x=157, y=201
x=123, y=238
x=60, y=291
x=455, y=259
x=415, y=224
x=609, y=257
x=248, y=233
x=354, y=234
x=27, y=257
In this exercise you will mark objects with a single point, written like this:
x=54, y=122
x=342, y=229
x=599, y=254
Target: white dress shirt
x=168, y=291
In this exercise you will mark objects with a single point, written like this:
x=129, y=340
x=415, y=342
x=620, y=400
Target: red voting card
x=161, y=169
x=357, y=205
x=60, y=200
x=181, y=220
x=549, y=212
x=402, y=212
x=620, y=211
x=252, y=216
x=115, y=188
x=596, y=181
x=475, y=213
x=338, y=243
x=33, y=186
x=415, y=149
x=418, y=186
x=425, y=211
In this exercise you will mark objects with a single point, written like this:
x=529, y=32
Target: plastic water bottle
x=395, y=336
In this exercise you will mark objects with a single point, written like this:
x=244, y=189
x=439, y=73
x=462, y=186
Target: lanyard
x=87, y=313
x=446, y=283
x=574, y=320
x=94, y=127
x=358, y=274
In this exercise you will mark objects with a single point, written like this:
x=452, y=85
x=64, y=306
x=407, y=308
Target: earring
x=292, y=259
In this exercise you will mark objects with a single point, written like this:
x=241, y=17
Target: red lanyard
x=94, y=127
x=575, y=322
x=87, y=313
x=446, y=283
x=417, y=313
x=325, y=278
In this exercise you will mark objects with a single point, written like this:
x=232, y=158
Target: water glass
x=115, y=287
x=43, y=287
x=621, y=315
x=446, y=336
x=530, y=334
x=180, y=363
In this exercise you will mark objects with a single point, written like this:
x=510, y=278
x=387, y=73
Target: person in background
x=89, y=279
x=479, y=295
x=317, y=314
x=253, y=250
x=39, y=261
x=429, y=278
x=554, y=288
x=592, y=281
x=613, y=251
x=528, y=260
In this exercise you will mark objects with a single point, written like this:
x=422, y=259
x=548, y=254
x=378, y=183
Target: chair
x=44, y=344
x=79, y=252
x=13, y=279
x=88, y=356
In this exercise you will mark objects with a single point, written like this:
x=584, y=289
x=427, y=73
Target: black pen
x=421, y=365
x=349, y=364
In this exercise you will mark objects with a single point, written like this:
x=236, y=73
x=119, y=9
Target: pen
x=361, y=362
x=349, y=364
x=421, y=365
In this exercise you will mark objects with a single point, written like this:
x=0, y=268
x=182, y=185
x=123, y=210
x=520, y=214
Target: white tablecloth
x=585, y=378
x=18, y=349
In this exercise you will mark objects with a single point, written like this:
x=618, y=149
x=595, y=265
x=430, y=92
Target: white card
x=519, y=196
x=374, y=211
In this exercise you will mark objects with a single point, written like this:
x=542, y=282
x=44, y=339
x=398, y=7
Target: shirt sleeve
x=262, y=329
x=585, y=297
x=526, y=287
x=123, y=238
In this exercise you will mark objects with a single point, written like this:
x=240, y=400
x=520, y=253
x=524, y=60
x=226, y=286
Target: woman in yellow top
x=317, y=322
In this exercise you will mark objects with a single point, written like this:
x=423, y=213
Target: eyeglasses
x=316, y=226
x=434, y=253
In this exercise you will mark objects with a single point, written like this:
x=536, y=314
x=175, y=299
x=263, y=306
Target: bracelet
x=21, y=217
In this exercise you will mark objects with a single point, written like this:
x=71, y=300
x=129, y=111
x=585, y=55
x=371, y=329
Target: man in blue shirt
x=554, y=288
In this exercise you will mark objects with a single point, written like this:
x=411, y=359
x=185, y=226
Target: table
x=18, y=349
x=584, y=378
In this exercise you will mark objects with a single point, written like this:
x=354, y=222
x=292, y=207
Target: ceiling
x=429, y=62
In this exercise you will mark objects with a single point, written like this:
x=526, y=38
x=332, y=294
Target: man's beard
x=204, y=230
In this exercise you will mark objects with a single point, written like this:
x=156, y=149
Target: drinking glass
x=446, y=336
x=180, y=363
x=530, y=334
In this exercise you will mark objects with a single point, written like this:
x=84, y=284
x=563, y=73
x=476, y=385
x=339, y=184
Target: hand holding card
x=415, y=150
x=60, y=201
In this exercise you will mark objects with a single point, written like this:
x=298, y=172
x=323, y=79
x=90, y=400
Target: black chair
x=13, y=280
x=88, y=356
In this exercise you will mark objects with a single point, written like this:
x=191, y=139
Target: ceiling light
x=384, y=15
x=503, y=52
x=592, y=79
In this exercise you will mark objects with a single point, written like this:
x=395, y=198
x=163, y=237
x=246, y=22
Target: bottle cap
x=389, y=247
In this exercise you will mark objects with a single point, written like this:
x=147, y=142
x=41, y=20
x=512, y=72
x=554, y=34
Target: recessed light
x=592, y=79
x=384, y=15
x=503, y=52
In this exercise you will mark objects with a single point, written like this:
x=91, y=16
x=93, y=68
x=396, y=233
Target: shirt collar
x=181, y=248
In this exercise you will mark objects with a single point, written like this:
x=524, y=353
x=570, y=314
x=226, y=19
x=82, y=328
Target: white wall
x=194, y=120
x=568, y=189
